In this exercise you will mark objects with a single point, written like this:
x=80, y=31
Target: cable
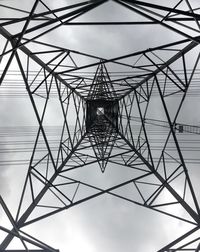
x=13, y=85
x=18, y=140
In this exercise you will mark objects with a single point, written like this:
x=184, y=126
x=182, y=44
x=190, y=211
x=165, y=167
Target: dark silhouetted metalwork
x=106, y=109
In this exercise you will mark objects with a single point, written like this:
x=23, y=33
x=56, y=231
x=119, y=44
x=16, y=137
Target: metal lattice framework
x=107, y=110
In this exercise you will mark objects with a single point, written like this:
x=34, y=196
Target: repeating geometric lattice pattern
x=124, y=110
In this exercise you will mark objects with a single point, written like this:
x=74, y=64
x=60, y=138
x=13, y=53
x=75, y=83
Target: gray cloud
x=104, y=224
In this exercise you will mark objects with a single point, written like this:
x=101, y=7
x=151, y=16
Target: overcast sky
x=106, y=223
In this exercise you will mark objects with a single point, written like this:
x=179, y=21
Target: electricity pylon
x=105, y=116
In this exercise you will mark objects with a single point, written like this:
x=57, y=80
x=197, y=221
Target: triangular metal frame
x=111, y=141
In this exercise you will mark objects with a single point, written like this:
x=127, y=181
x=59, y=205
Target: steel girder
x=126, y=143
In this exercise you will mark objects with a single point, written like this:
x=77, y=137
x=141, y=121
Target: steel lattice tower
x=108, y=108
